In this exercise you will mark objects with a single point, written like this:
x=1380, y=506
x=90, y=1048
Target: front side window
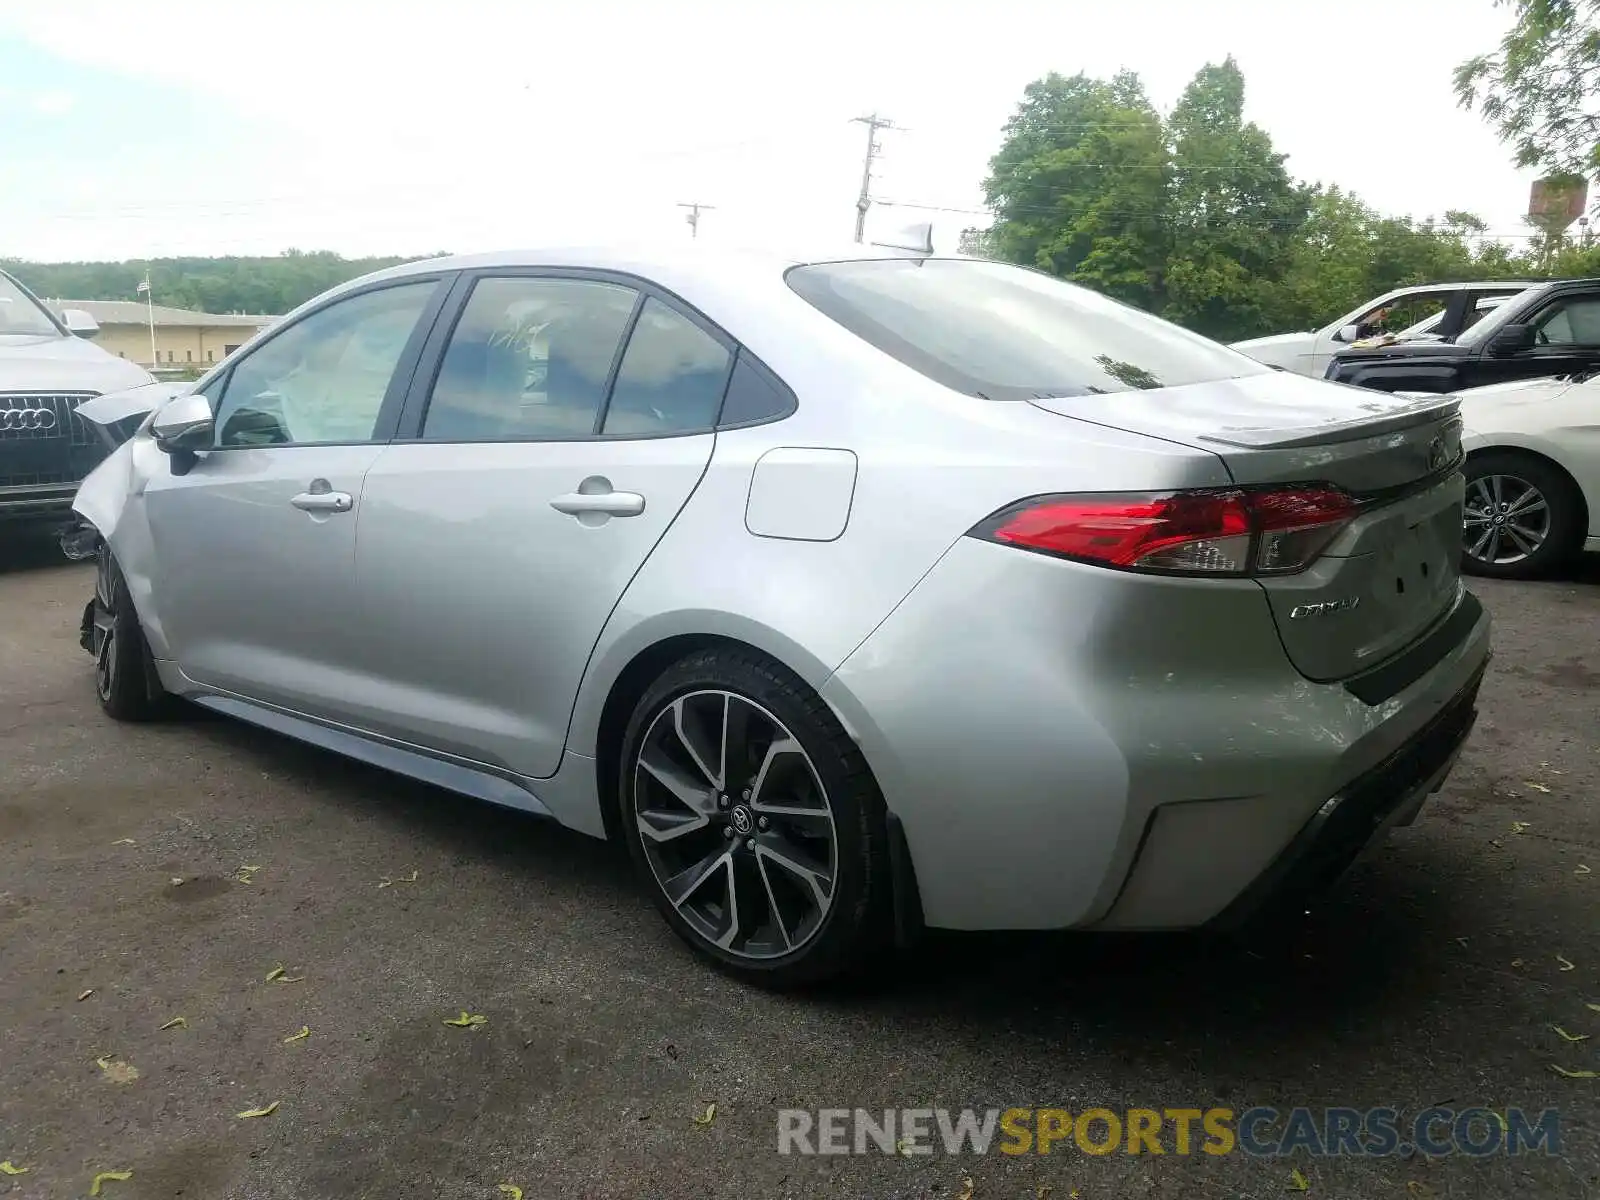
x=19, y=313
x=672, y=376
x=1570, y=321
x=323, y=379
x=1000, y=332
x=529, y=359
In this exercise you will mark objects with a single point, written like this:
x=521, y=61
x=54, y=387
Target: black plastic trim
x=1400, y=672
x=909, y=923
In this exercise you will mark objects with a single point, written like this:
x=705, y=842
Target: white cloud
x=53, y=103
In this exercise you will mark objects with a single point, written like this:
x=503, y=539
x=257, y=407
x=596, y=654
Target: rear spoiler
x=1424, y=408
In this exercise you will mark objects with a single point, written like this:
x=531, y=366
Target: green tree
x=1078, y=187
x=1234, y=212
x=1541, y=89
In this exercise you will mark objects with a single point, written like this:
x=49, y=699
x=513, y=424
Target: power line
x=864, y=201
x=695, y=209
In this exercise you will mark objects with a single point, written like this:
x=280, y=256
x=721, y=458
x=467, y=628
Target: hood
x=1407, y=349
x=63, y=364
x=1517, y=390
x=140, y=401
x=1276, y=341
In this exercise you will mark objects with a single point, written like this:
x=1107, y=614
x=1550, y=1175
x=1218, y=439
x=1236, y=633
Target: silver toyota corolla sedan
x=855, y=594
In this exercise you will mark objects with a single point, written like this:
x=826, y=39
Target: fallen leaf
x=1566, y=965
x=124, y=842
x=85, y=994
x=176, y=1023
x=117, y=1072
x=1417, y=1188
x=466, y=1020
x=248, y=1113
x=1566, y=1074
x=291, y=979
x=1582, y=869
x=9, y=1168
x=1496, y=843
x=1516, y=962
x=387, y=882
x=106, y=1177
x=1538, y=787
x=274, y=974
x=708, y=1116
x=1571, y=1037
x=177, y=881
x=1042, y=1191
x=246, y=874
x=1462, y=940
x=1519, y=826
x=511, y=1190
x=1298, y=1182
x=305, y=1032
x=1593, y=1007
x=966, y=1188
x=903, y=1147
x=1500, y=1121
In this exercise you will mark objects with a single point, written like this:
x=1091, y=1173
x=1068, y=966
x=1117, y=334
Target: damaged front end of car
x=116, y=418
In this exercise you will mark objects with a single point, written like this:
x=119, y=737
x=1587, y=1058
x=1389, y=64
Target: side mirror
x=1513, y=339
x=80, y=323
x=1349, y=333
x=183, y=425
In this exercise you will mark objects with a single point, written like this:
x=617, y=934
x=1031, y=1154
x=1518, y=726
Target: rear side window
x=1004, y=333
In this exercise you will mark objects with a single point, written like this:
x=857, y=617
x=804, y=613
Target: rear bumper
x=1067, y=747
x=1360, y=814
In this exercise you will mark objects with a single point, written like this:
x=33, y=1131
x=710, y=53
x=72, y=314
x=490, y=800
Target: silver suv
x=48, y=368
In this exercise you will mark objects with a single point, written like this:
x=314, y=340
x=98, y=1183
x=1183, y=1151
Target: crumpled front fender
x=111, y=498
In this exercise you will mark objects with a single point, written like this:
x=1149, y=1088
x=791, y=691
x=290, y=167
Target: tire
x=788, y=815
x=1540, y=515
x=125, y=679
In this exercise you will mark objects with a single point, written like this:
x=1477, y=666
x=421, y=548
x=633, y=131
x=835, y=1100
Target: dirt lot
x=1433, y=977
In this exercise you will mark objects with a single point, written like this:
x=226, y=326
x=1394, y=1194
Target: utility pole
x=873, y=124
x=693, y=218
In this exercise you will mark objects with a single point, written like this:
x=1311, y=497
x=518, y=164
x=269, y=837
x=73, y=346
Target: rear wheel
x=125, y=680
x=1523, y=516
x=754, y=821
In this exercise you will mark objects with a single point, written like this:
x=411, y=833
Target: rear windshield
x=1004, y=333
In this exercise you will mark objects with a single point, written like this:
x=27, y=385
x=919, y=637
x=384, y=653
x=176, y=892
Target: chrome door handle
x=611, y=504
x=324, y=501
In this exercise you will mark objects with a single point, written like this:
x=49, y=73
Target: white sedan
x=1533, y=475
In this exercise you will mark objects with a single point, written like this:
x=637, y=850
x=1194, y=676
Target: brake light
x=1222, y=531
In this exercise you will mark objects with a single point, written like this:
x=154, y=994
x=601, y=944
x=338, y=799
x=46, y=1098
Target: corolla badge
x=1324, y=608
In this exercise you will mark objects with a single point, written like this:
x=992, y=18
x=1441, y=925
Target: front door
x=570, y=420
x=255, y=543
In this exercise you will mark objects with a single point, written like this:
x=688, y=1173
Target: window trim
x=414, y=413
x=400, y=379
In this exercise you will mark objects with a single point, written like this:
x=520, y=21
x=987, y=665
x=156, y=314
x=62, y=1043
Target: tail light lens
x=1227, y=531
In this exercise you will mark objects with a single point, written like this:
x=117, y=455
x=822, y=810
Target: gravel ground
x=1433, y=976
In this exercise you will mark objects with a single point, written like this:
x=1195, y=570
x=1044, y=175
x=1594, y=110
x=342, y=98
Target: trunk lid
x=1394, y=571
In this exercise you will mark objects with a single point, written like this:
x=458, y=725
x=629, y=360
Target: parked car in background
x=1453, y=306
x=48, y=368
x=852, y=591
x=1549, y=330
x=1431, y=329
x=1533, y=475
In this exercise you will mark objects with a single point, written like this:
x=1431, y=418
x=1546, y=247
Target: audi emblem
x=17, y=419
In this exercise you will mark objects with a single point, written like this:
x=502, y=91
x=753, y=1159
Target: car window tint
x=529, y=358
x=1000, y=332
x=1573, y=321
x=672, y=376
x=323, y=378
x=754, y=394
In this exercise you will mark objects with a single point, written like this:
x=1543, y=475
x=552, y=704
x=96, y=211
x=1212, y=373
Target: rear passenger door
x=570, y=418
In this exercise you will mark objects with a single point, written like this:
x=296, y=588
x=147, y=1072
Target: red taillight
x=1207, y=532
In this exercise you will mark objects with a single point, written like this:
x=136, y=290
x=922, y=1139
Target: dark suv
x=1550, y=329
x=46, y=370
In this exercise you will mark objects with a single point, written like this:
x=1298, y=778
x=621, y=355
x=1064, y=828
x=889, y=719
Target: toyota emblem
x=19, y=419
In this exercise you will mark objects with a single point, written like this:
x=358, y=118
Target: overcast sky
x=164, y=127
